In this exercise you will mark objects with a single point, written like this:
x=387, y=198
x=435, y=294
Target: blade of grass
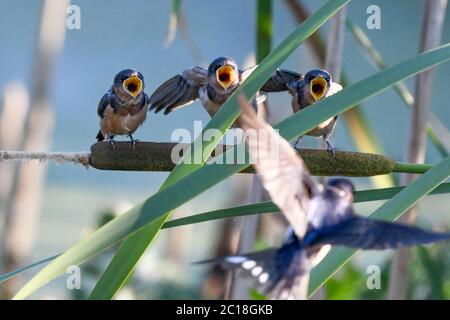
x=156, y=208
x=263, y=29
x=389, y=211
x=270, y=207
x=6, y=276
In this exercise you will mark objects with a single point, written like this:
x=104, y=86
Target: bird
x=305, y=90
x=320, y=216
x=123, y=109
x=212, y=86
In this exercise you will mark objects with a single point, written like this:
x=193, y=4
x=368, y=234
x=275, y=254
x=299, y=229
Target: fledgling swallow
x=213, y=86
x=124, y=107
x=306, y=90
x=320, y=216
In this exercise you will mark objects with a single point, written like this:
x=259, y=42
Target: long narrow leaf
x=156, y=207
x=6, y=276
x=270, y=207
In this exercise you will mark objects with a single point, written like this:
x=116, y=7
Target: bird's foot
x=133, y=141
x=111, y=142
x=297, y=144
x=330, y=149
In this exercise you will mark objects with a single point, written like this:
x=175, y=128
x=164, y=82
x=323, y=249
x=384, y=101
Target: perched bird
x=306, y=90
x=212, y=86
x=321, y=216
x=124, y=107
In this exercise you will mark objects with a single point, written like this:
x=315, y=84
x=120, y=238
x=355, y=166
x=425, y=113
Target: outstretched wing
x=178, y=91
x=283, y=80
x=281, y=170
x=370, y=234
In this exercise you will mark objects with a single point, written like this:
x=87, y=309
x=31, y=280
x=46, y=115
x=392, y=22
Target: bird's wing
x=281, y=170
x=104, y=102
x=370, y=234
x=178, y=91
x=334, y=88
x=243, y=74
x=283, y=80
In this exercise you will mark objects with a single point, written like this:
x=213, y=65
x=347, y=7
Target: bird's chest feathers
x=124, y=120
x=300, y=102
x=212, y=100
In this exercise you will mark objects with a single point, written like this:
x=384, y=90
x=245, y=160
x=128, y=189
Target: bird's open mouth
x=318, y=88
x=225, y=76
x=133, y=85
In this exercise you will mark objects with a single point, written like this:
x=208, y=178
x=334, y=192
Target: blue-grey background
x=116, y=35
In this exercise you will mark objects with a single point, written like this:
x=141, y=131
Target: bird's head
x=343, y=187
x=224, y=72
x=318, y=83
x=129, y=83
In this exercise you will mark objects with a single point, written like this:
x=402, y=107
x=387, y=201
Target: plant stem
x=417, y=168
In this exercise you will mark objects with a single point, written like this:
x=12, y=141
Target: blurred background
x=63, y=74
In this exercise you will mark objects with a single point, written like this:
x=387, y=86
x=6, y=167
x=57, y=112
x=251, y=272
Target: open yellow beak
x=133, y=85
x=225, y=76
x=318, y=88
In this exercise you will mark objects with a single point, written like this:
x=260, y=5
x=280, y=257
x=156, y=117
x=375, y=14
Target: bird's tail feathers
x=260, y=267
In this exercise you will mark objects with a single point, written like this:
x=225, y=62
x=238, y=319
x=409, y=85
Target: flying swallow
x=213, y=86
x=124, y=107
x=306, y=90
x=320, y=216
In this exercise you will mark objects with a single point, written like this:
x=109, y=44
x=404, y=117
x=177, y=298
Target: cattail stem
x=156, y=156
x=411, y=167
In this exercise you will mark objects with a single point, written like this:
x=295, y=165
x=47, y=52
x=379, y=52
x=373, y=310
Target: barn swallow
x=306, y=90
x=124, y=107
x=320, y=216
x=213, y=86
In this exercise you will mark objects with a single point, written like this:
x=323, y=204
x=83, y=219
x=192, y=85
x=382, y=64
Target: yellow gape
x=225, y=76
x=133, y=85
x=318, y=87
